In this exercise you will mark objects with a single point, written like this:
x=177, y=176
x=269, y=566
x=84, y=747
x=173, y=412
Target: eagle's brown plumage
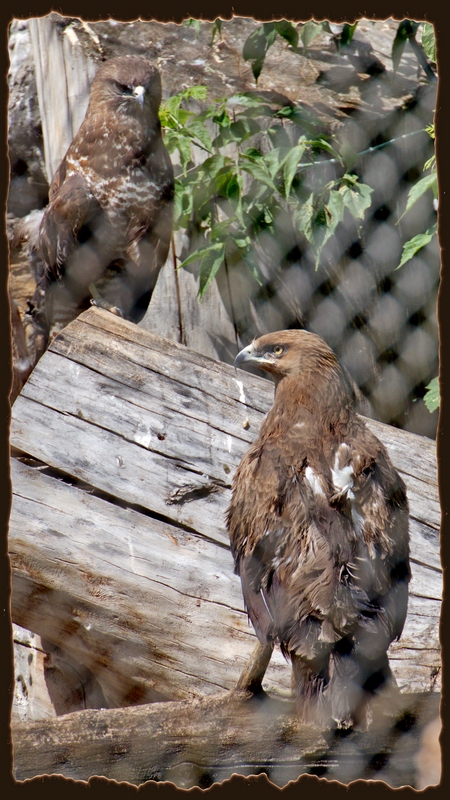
x=318, y=524
x=107, y=228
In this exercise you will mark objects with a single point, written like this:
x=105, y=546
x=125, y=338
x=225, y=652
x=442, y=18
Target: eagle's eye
x=277, y=349
x=123, y=88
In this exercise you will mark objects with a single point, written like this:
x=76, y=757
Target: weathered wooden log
x=203, y=741
x=126, y=445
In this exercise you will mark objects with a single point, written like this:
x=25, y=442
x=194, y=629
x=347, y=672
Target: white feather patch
x=343, y=476
x=314, y=481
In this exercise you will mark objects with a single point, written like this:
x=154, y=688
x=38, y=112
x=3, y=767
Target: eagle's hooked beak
x=139, y=94
x=247, y=354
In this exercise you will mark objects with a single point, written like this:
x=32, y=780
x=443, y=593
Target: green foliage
x=411, y=247
x=259, y=41
x=405, y=31
x=419, y=188
x=320, y=214
x=432, y=397
x=346, y=35
x=236, y=195
x=431, y=163
x=309, y=31
x=429, y=41
x=193, y=23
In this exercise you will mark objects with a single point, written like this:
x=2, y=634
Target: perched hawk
x=106, y=231
x=318, y=524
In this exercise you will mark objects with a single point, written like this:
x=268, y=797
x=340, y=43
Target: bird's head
x=292, y=353
x=131, y=83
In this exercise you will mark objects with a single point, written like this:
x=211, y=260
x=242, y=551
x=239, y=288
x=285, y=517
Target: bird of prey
x=105, y=233
x=318, y=524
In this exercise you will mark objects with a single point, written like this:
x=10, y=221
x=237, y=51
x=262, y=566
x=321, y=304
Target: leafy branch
x=428, y=182
x=412, y=247
x=406, y=32
x=235, y=195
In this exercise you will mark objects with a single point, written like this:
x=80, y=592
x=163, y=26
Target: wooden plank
x=149, y=608
x=149, y=424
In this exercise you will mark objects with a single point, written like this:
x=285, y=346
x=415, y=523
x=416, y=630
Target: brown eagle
x=318, y=524
x=106, y=231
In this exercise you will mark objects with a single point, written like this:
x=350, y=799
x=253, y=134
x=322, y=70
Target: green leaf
x=288, y=32
x=290, y=166
x=198, y=129
x=257, y=45
x=272, y=160
x=415, y=244
x=237, y=132
x=258, y=172
x=252, y=153
x=405, y=30
x=184, y=149
x=212, y=166
x=209, y=267
x=356, y=196
x=216, y=28
x=222, y=119
x=193, y=23
x=309, y=32
x=301, y=117
x=253, y=266
x=318, y=218
x=320, y=143
x=347, y=35
x=183, y=205
x=249, y=258
x=429, y=41
x=432, y=397
x=419, y=188
x=228, y=184
x=398, y=46
x=196, y=92
x=220, y=230
x=201, y=253
x=247, y=99
x=336, y=208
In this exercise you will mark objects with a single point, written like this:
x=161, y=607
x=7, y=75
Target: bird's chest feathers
x=311, y=480
x=113, y=163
